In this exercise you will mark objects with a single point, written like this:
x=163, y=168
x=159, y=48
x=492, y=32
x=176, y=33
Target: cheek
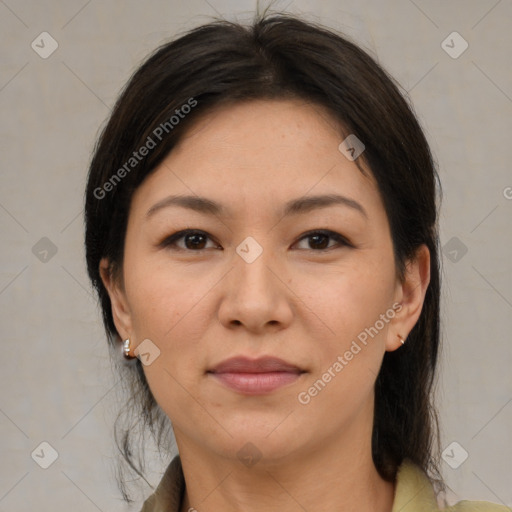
x=173, y=308
x=163, y=306
x=174, y=314
x=353, y=298
x=349, y=358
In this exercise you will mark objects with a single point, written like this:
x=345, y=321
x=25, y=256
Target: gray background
x=57, y=385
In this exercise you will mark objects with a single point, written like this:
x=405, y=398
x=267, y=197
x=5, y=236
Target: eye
x=196, y=240
x=319, y=240
x=193, y=240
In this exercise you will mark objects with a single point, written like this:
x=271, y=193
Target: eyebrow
x=301, y=205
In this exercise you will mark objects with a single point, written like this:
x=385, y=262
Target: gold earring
x=126, y=349
x=401, y=339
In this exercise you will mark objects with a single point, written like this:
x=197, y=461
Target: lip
x=255, y=376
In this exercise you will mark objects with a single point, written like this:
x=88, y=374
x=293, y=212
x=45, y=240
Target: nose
x=255, y=296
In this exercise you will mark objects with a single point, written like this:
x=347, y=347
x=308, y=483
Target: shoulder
x=415, y=493
x=477, y=506
x=168, y=495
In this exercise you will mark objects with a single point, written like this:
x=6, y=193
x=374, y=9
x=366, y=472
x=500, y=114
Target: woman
x=261, y=228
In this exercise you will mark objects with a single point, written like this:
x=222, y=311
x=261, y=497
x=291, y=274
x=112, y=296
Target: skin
x=303, y=300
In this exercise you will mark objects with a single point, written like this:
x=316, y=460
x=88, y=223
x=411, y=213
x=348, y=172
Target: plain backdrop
x=56, y=381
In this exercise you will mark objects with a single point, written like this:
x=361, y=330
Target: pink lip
x=255, y=376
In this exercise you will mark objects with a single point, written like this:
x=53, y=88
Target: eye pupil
x=315, y=243
x=195, y=244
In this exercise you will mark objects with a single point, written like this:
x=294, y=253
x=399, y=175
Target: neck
x=340, y=476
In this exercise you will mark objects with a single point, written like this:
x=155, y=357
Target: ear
x=120, y=309
x=411, y=296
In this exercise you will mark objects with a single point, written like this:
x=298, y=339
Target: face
x=289, y=257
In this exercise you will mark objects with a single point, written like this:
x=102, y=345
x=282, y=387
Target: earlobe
x=120, y=310
x=411, y=293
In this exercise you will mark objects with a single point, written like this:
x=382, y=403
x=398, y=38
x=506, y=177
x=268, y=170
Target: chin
x=264, y=440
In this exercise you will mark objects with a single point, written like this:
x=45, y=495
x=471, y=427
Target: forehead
x=252, y=131
x=258, y=153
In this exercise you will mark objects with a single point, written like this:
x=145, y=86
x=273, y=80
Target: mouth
x=255, y=376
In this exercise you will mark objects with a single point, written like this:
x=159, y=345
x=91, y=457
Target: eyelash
x=171, y=240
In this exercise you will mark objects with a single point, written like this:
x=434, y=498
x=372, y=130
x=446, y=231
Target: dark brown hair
x=279, y=57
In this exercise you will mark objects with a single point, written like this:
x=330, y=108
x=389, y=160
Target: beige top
x=414, y=493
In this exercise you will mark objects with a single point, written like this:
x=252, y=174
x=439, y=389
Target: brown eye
x=319, y=240
x=193, y=240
